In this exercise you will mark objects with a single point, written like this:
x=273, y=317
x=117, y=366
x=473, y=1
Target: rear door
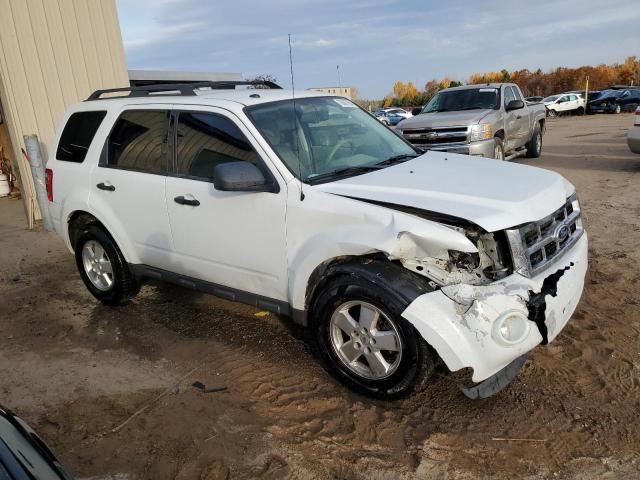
x=128, y=185
x=234, y=239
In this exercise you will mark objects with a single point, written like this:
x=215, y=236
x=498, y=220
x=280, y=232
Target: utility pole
x=586, y=93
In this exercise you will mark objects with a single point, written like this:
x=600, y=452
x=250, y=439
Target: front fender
x=345, y=227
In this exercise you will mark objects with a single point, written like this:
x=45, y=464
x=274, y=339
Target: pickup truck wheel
x=498, y=149
x=103, y=268
x=365, y=343
x=534, y=146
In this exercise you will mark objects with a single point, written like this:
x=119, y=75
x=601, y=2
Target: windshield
x=327, y=137
x=550, y=99
x=467, y=99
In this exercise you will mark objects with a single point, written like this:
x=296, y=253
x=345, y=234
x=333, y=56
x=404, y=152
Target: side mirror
x=515, y=105
x=416, y=111
x=241, y=177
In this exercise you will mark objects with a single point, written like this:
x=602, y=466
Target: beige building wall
x=348, y=92
x=53, y=53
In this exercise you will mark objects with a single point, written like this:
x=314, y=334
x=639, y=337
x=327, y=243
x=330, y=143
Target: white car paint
x=462, y=186
x=275, y=242
x=565, y=103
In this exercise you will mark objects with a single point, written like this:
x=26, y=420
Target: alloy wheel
x=365, y=340
x=97, y=265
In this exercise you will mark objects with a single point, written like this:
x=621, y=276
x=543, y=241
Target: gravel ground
x=76, y=370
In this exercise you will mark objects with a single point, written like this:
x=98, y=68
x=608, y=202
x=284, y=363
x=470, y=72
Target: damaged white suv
x=311, y=208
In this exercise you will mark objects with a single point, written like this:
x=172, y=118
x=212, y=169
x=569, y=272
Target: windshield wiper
x=397, y=159
x=340, y=172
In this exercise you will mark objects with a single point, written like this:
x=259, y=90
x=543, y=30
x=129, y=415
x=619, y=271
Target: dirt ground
x=76, y=370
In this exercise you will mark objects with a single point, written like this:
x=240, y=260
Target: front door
x=234, y=239
x=128, y=185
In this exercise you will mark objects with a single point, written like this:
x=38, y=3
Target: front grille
x=436, y=136
x=536, y=245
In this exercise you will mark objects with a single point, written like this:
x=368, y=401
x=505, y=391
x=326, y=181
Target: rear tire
x=534, y=146
x=103, y=268
x=401, y=361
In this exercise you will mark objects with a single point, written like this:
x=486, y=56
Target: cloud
x=375, y=42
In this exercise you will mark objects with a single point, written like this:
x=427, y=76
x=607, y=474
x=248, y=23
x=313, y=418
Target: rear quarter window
x=78, y=134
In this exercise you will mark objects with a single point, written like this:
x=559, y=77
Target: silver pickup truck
x=489, y=120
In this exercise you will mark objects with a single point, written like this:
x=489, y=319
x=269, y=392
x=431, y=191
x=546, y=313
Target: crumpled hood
x=445, y=119
x=490, y=193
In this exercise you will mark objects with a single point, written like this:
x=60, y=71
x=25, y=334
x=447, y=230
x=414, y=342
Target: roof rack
x=184, y=89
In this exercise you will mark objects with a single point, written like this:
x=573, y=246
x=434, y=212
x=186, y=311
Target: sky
x=375, y=42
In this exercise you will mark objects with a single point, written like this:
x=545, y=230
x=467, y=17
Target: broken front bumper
x=466, y=324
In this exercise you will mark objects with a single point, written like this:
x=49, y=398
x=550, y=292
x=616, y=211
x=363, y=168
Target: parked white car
x=400, y=112
x=633, y=136
x=564, y=103
x=395, y=261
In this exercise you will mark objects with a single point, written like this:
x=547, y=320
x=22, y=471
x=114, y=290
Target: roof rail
x=184, y=89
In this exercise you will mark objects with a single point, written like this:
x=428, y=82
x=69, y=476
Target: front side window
x=465, y=99
x=508, y=95
x=321, y=138
x=78, y=134
x=205, y=140
x=138, y=141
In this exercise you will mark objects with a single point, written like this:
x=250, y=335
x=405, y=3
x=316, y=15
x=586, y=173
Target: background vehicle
x=616, y=101
x=400, y=112
x=380, y=115
x=534, y=99
x=484, y=120
x=23, y=455
x=312, y=209
x=564, y=103
x=633, y=136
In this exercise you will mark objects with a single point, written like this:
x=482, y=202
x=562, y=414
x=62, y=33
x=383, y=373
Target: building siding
x=54, y=53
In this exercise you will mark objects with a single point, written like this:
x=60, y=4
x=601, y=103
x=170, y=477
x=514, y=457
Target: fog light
x=511, y=327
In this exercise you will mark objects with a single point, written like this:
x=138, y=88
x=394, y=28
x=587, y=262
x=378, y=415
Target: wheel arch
x=77, y=219
x=375, y=268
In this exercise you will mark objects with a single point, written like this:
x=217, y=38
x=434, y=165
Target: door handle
x=186, y=201
x=104, y=186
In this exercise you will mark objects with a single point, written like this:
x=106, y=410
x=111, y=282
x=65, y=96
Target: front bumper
x=458, y=320
x=483, y=148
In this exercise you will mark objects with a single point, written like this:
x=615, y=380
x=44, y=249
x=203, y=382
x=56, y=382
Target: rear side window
x=138, y=141
x=205, y=140
x=77, y=135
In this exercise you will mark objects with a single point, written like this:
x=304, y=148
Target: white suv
x=308, y=207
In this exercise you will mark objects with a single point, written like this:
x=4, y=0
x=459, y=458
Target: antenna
x=295, y=123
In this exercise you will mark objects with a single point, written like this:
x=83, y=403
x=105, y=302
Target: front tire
x=498, y=149
x=534, y=146
x=103, y=268
x=365, y=343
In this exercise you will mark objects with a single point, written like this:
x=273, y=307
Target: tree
x=263, y=77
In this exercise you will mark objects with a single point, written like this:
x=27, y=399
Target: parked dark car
x=534, y=99
x=23, y=455
x=615, y=101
